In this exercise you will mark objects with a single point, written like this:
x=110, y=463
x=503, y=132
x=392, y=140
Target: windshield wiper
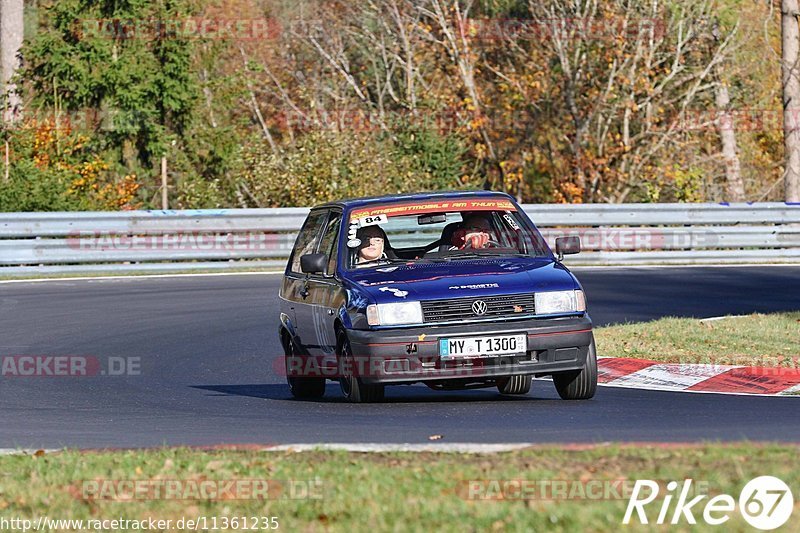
x=473, y=255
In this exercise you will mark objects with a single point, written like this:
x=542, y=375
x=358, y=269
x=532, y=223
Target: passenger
x=475, y=232
x=373, y=244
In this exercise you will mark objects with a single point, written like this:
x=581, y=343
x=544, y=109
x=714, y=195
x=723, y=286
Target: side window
x=308, y=238
x=330, y=240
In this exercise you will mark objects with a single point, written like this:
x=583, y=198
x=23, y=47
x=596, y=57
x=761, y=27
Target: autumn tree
x=11, y=35
x=790, y=68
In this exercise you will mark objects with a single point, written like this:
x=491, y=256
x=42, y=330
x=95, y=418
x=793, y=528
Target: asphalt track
x=206, y=345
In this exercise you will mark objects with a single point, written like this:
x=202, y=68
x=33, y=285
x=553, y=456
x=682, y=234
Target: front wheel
x=301, y=388
x=353, y=389
x=515, y=385
x=579, y=384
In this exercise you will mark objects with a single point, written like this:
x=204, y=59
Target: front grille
x=460, y=309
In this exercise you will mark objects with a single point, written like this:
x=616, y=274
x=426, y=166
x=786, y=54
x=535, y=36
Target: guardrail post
x=164, y=197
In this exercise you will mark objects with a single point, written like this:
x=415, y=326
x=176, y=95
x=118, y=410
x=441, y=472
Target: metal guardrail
x=262, y=238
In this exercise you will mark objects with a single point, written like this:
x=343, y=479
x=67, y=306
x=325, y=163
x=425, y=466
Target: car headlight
x=394, y=314
x=550, y=303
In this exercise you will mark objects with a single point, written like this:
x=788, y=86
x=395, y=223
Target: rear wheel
x=579, y=384
x=303, y=388
x=515, y=385
x=353, y=389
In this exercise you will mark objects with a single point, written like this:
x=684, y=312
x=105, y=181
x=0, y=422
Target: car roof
x=450, y=195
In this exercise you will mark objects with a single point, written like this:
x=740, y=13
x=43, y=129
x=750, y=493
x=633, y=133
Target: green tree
x=129, y=60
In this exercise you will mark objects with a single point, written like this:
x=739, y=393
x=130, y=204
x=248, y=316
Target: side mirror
x=567, y=246
x=314, y=263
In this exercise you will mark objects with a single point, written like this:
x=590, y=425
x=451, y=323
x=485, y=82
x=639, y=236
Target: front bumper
x=412, y=355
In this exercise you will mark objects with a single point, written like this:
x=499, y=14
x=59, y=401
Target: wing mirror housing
x=314, y=263
x=567, y=246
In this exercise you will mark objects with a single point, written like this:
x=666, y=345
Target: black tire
x=353, y=389
x=579, y=384
x=515, y=385
x=302, y=388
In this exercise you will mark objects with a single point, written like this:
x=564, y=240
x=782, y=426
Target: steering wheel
x=489, y=244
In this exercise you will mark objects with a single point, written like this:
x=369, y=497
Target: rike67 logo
x=766, y=503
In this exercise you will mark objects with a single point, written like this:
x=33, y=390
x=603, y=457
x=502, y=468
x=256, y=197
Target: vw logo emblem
x=479, y=307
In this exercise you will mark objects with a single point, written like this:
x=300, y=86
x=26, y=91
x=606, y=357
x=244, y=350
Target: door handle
x=304, y=292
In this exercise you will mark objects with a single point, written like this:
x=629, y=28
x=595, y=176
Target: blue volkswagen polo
x=455, y=290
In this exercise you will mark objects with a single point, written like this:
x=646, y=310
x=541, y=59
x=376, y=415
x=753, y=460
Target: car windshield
x=443, y=231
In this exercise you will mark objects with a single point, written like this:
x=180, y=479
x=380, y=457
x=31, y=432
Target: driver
x=475, y=232
x=373, y=243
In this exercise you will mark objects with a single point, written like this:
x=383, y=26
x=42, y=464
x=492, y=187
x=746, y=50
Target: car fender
x=287, y=325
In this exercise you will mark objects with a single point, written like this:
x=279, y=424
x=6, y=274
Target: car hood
x=458, y=279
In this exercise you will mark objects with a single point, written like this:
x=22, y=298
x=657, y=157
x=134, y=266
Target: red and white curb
x=715, y=379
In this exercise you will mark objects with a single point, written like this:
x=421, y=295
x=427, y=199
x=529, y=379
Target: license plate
x=483, y=346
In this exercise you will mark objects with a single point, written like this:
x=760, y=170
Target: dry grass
x=387, y=492
x=756, y=340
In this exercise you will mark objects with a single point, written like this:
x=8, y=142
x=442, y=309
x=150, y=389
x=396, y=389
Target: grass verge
x=385, y=492
x=771, y=340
